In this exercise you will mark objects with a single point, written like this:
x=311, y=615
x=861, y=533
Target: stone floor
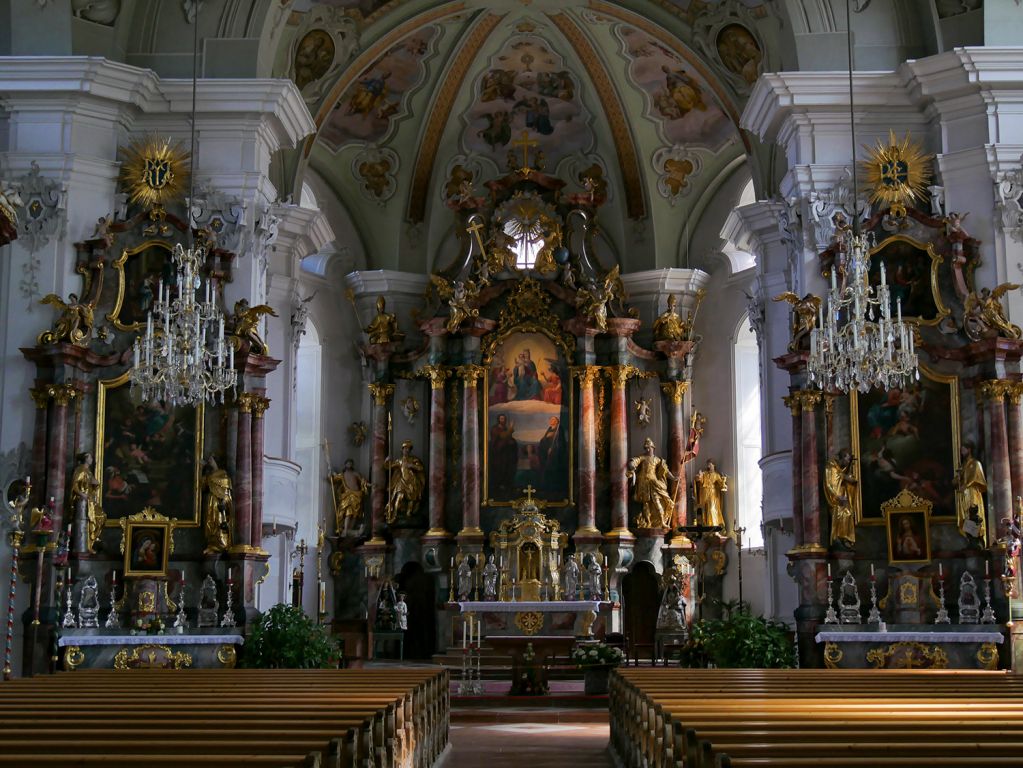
x=514, y=737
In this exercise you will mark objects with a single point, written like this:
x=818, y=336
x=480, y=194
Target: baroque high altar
x=554, y=450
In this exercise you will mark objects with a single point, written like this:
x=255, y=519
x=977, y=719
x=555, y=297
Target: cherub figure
x=642, y=407
x=460, y=295
x=359, y=431
x=592, y=300
x=804, y=318
x=984, y=317
x=246, y=325
x=74, y=324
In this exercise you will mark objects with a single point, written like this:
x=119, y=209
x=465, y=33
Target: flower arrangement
x=154, y=626
x=597, y=655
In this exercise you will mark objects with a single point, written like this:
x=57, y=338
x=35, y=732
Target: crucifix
x=529, y=490
x=526, y=143
x=474, y=229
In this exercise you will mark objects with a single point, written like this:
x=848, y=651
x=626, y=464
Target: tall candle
x=987, y=568
x=230, y=574
x=463, y=634
x=940, y=575
x=871, y=570
x=829, y=570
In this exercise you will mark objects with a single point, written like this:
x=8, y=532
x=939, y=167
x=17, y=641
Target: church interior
x=384, y=381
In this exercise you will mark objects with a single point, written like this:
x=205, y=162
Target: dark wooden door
x=641, y=598
x=421, y=598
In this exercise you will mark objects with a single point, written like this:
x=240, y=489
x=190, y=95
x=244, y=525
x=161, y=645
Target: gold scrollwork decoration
x=832, y=655
x=74, y=657
x=151, y=656
x=908, y=655
x=718, y=558
x=530, y=622
x=227, y=656
x=987, y=656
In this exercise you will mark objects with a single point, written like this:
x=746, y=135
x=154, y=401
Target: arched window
x=308, y=452
x=748, y=447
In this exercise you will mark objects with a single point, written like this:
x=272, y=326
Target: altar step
x=497, y=666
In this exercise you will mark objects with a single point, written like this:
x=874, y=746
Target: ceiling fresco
x=691, y=10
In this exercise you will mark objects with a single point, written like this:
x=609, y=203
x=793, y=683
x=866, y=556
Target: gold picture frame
x=147, y=542
x=120, y=266
x=132, y=476
x=907, y=520
x=941, y=309
x=880, y=472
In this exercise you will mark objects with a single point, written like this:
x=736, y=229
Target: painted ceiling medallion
x=897, y=172
x=154, y=171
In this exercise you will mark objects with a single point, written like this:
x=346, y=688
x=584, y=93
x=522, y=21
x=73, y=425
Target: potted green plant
x=739, y=639
x=596, y=659
x=285, y=638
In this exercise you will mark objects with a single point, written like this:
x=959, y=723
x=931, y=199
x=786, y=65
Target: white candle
x=940, y=574
x=463, y=635
x=452, y=562
x=230, y=574
x=829, y=570
x=872, y=565
x=987, y=568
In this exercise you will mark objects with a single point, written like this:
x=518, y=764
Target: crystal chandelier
x=869, y=349
x=184, y=357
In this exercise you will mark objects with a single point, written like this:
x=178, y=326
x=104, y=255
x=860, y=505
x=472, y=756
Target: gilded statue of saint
x=85, y=499
x=971, y=485
x=711, y=486
x=384, y=327
x=246, y=322
x=218, y=509
x=840, y=492
x=650, y=475
x=670, y=326
x=804, y=318
x=349, y=490
x=408, y=478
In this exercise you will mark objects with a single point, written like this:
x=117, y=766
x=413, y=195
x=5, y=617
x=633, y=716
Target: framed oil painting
x=147, y=455
x=146, y=543
x=139, y=272
x=907, y=439
x=912, y=276
x=527, y=418
x=907, y=518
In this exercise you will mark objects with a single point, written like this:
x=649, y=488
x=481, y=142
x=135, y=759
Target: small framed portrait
x=147, y=544
x=909, y=534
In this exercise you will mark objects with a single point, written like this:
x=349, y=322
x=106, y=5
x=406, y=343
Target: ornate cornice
x=675, y=390
x=381, y=392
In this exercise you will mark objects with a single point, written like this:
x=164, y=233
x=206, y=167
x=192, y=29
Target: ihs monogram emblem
x=154, y=171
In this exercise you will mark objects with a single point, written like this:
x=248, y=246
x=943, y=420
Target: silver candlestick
x=69, y=614
x=874, y=616
x=113, y=622
x=988, y=615
x=228, y=620
x=831, y=617
x=180, y=622
x=942, y=617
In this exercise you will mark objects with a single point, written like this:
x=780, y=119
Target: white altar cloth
x=971, y=636
x=82, y=640
x=522, y=606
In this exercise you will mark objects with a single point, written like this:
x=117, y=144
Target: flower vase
x=595, y=680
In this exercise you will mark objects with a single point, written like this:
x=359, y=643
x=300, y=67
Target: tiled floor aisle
x=517, y=737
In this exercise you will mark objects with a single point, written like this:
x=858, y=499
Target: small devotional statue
x=957, y=236
x=840, y=493
x=209, y=606
x=594, y=576
x=74, y=324
x=246, y=321
x=490, y=574
x=593, y=299
x=350, y=489
x=571, y=577
x=408, y=478
x=971, y=485
x=218, y=509
x=463, y=579
x=85, y=499
x=383, y=329
x=710, y=489
x=88, y=604
x=984, y=317
x=671, y=616
x=650, y=475
x=804, y=318
x=401, y=612
x=670, y=326
x=461, y=297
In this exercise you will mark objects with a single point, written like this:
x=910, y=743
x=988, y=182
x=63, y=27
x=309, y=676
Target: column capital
x=259, y=405
x=245, y=401
x=803, y=400
x=792, y=401
x=675, y=390
x=437, y=374
x=995, y=390
x=63, y=394
x=586, y=374
x=41, y=396
x=381, y=392
x=1016, y=392
x=470, y=373
x=619, y=374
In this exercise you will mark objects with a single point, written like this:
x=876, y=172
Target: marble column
x=675, y=391
x=41, y=398
x=243, y=475
x=809, y=469
x=793, y=402
x=470, y=375
x=619, y=452
x=259, y=406
x=999, y=477
x=1016, y=438
x=378, y=472
x=57, y=459
x=587, y=451
x=438, y=376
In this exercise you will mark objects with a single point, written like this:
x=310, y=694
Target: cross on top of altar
x=526, y=143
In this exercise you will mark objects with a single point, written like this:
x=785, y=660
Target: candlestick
x=829, y=571
x=463, y=634
x=831, y=617
x=940, y=574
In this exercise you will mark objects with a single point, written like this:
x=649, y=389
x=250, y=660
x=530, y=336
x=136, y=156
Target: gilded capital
x=245, y=401
x=259, y=405
x=675, y=390
x=792, y=401
x=381, y=392
x=619, y=374
x=63, y=394
x=437, y=374
x=809, y=398
x=586, y=374
x=41, y=396
x=1016, y=393
x=470, y=373
x=995, y=389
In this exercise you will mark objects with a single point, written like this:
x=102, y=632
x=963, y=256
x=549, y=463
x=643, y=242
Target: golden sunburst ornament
x=897, y=172
x=154, y=171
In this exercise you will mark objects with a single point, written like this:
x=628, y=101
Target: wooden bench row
x=667, y=718
x=376, y=718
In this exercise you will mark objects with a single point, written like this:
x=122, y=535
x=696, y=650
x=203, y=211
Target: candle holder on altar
x=69, y=620
x=873, y=615
x=831, y=617
x=181, y=621
x=987, y=616
x=451, y=582
x=229, y=620
x=113, y=621
x=942, y=617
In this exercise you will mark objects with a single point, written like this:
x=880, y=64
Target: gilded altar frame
x=857, y=420
x=936, y=259
x=119, y=265
x=137, y=529
x=908, y=507
x=105, y=387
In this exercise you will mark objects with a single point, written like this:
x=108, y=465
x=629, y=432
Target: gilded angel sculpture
x=592, y=300
x=74, y=324
x=804, y=317
x=460, y=295
x=246, y=324
x=984, y=317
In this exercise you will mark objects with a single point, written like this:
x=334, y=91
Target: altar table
x=527, y=618
x=105, y=649
x=911, y=646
